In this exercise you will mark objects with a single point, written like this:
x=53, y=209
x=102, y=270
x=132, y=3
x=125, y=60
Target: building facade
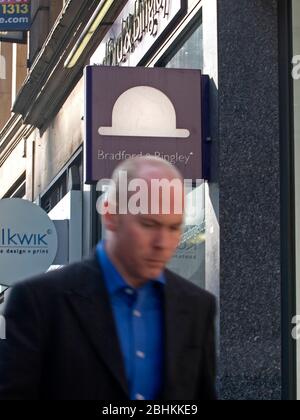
x=245, y=240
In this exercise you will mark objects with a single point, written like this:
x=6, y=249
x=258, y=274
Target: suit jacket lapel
x=177, y=322
x=91, y=305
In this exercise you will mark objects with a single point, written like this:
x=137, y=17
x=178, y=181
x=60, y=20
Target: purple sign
x=142, y=111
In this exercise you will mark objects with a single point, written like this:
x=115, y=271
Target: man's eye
x=175, y=228
x=147, y=225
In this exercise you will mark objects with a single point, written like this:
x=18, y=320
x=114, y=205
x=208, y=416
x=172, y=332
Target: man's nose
x=161, y=239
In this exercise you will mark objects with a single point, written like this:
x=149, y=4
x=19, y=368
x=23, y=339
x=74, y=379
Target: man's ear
x=111, y=221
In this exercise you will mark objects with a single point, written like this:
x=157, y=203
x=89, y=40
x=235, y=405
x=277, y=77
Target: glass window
x=189, y=260
x=71, y=179
x=187, y=53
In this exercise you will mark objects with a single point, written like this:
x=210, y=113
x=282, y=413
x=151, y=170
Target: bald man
x=118, y=326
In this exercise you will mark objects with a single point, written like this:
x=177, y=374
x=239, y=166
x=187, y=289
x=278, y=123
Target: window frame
x=287, y=181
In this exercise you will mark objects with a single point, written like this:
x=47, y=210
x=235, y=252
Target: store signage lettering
x=15, y=15
x=137, y=31
x=9, y=237
x=144, y=20
x=121, y=155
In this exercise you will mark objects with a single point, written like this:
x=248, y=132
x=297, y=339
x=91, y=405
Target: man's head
x=142, y=243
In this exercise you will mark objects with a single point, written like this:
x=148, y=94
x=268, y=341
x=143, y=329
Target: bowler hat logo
x=144, y=111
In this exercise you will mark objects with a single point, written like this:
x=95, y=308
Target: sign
x=14, y=37
x=137, y=31
x=28, y=240
x=15, y=15
x=142, y=111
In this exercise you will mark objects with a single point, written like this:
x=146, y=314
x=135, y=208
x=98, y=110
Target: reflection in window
x=189, y=52
x=189, y=260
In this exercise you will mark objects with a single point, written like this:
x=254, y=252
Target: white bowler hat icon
x=144, y=111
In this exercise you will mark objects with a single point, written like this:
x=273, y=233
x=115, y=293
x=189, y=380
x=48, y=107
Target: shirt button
x=140, y=354
x=140, y=397
x=129, y=291
x=137, y=314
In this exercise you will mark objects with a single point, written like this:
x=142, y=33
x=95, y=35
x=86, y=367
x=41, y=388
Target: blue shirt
x=139, y=318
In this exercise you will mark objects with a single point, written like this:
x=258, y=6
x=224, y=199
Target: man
x=118, y=326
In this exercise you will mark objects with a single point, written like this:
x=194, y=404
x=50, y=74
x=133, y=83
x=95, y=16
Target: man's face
x=146, y=243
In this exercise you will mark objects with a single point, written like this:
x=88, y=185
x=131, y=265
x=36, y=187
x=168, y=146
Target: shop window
x=55, y=194
x=189, y=260
x=187, y=53
x=69, y=179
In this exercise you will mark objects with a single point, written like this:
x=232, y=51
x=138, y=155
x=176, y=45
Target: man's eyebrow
x=156, y=222
x=177, y=225
x=145, y=219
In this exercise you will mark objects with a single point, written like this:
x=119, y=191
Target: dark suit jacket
x=62, y=342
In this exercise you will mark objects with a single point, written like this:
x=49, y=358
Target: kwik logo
x=8, y=237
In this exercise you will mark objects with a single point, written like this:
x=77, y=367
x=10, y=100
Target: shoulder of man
x=190, y=291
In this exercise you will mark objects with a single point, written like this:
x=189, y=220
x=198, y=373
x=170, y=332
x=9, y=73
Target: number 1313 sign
x=15, y=15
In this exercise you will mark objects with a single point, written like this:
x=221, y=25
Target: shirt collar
x=114, y=280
